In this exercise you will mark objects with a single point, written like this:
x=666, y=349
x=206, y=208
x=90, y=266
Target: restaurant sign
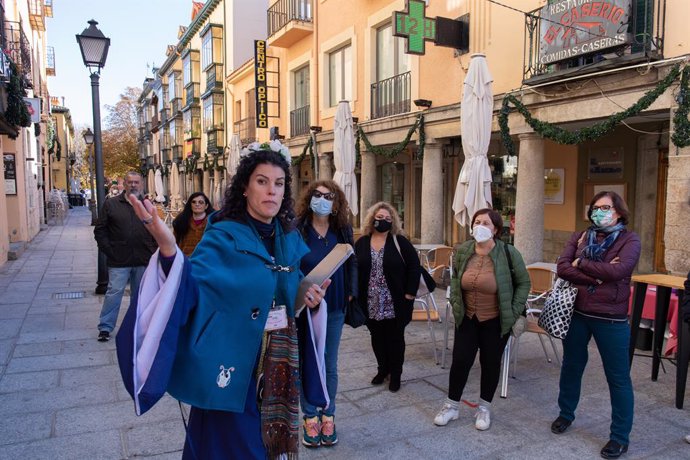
x=571, y=28
x=260, y=84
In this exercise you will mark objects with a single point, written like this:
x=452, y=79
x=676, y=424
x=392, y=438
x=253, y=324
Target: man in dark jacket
x=128, y=247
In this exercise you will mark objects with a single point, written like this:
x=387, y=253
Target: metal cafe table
x=664, y=284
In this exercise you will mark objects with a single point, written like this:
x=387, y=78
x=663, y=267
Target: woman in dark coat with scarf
x=388, y=271
x=600, y=262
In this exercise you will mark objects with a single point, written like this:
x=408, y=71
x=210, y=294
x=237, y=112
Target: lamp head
x=88, y=136
x=94, y=46
x=422, y=103
x=316, y=129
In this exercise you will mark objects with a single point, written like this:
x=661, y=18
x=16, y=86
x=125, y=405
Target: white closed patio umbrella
x=473, y=190
x=159, y=187
x=150, y=183
x=344, y=155
x=233, y=160
x=175, y=198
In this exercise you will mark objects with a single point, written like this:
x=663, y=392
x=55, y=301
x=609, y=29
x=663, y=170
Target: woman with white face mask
x=600, y=262
x=486, y=300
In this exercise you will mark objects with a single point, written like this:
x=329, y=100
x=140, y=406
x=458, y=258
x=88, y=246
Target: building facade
x=322, y=52
x=26, y=61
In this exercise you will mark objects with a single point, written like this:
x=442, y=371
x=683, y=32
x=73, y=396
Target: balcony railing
x=552, y=50
x=17, y=46
x=50, y=61
x=390, y=96
x=191, y=95
x=246, y=129
x=299, y=121
x=284, y=11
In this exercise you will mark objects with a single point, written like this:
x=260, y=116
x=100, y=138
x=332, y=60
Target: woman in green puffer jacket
x=487, y=300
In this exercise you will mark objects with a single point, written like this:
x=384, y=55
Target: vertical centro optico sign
x=260, y=84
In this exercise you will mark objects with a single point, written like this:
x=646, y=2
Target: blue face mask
x=321, y=206
x=603, y=218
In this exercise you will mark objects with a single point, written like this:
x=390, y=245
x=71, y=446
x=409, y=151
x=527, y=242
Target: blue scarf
x=595, y=251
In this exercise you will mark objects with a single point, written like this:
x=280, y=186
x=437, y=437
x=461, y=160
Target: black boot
x=379, y=377
x=394, y=384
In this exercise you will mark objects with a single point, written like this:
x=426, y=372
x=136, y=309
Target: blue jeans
x=117, y=281
x=613, y=342
x=334, y=330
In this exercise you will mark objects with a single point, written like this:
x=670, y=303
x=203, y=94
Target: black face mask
x=382, y=225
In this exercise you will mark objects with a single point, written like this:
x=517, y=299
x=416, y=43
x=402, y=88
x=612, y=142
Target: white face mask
x=482, y=233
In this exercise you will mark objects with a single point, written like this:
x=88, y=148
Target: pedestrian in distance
x=322, y=219
x=240, y=284
x=114, y=191
x=600, y=262
x=487, y=300
x=127, y=246
x=189, y=225
x=388, y=271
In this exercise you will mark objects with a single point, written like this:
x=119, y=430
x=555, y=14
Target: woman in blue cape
x=236, y=358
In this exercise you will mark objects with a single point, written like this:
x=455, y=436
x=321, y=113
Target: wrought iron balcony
x=37, y=15
x=246, y=129
x=391, y=96
x=50, y=61
x=17, y=46
x=592, y=42
x=289, y=21
x=191, y=95
x=214, y=141
x=299, y=121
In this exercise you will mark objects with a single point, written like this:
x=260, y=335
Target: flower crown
x=274, y=145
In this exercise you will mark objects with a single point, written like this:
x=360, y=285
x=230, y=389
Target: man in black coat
x=128, y=247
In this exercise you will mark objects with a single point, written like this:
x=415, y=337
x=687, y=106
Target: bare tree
x=120, y=149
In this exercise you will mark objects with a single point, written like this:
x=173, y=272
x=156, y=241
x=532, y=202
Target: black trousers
x=388, y=342
x=471, y=336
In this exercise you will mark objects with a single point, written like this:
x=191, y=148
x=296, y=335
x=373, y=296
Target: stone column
x=432, y=194
x=677, y=255
x=368, y=186
x=326, y=166
x=206, y=184
x=529, y=204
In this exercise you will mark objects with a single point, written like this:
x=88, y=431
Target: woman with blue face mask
x=600, y=262
x=323, y=221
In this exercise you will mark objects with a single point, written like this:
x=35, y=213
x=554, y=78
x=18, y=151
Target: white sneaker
x=446, y=414
x=483, y=416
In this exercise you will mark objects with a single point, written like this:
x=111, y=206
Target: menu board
x=10, y=167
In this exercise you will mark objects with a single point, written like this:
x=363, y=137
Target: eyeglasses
x=330, y=196
x=605, y=207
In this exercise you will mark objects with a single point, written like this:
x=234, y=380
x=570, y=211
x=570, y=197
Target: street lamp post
x=88, y=140
x=94, y=51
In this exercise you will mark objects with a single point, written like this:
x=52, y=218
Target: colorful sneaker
x=329, y=437
x=311, y=432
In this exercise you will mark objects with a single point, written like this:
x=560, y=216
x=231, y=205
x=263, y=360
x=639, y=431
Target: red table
x=648, y=312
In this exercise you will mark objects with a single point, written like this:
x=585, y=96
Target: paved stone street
x=61, y=396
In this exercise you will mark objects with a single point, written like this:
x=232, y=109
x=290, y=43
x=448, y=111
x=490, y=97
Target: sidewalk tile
x=20, y=383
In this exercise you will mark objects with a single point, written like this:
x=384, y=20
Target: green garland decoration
x=681, y=123
x=216, y=166
x=16, y=114
x=358, y=153
x=422, y=139
x=396, y=149
x=205, y=165
x=309, y=146
x=589, y=133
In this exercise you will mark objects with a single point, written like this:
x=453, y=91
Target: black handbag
x=354, y=315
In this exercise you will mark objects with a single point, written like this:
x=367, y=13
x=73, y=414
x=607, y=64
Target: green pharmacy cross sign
x=415, y=26
x=418, y=29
